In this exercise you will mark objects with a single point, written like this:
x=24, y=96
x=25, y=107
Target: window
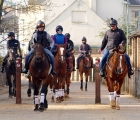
x=79, y=17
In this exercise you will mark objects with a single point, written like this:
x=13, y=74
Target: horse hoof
x=36, y=109
x=58, y=100
x=85, y=89
x=117, y=108
x=10, y=96
x=29, y=95
x=62, y=98
x=113, y=104
x=41, y=109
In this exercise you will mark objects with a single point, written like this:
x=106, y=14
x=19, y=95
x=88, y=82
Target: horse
x=69, y=75
x=57, y=84
x=85, y=67
x=10, y=69
x=40, y=69
x=116, y=70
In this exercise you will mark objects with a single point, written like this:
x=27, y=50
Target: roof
x=35, y=2
x=134, y=2
x=136, y=34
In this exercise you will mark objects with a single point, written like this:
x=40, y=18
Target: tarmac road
x=80, y=106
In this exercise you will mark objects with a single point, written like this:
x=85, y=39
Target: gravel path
x=81, y=105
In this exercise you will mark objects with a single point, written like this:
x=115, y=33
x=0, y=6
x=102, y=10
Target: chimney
x=93, y=4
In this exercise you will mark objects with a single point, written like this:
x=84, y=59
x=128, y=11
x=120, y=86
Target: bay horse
x=68, y=81
x=40, y=69
x=58, y=81
x=85, y=67
x=10, y=69
x=116, y=70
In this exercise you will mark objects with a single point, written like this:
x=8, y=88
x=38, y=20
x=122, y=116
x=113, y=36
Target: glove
x=49, y=48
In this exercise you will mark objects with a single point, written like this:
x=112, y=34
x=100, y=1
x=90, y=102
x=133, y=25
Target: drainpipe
x=127, y=22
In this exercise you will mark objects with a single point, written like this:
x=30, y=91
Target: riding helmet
x=84, y=39
x=11, y=34
x=59, y=27
x=113, y=22
x=40, y=24
x=67, y=35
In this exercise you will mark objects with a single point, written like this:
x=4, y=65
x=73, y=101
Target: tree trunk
x=1, y=6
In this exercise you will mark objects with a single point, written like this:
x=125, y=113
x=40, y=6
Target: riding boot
x=68, y=63
x=26, y=68
x=74, y=63
x=130, y=71
x=102, y=74
x=2, y=67
x=92, y=63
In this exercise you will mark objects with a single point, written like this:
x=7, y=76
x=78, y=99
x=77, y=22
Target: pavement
x=81, y=105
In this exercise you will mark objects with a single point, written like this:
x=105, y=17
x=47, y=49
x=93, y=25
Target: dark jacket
x=41, y=37
x=84, y=47
x=14, y=44
x=113, y=39
x=70, y=46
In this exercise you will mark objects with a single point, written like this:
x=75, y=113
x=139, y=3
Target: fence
x=132, y=86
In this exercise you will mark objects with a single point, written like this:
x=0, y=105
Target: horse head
x=12, y=55
x=38, y=52
x=61, y=51
x=87, y=59
x=120, y=60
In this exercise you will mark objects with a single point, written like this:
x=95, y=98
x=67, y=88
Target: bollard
x=97, y=81
x=18, y=80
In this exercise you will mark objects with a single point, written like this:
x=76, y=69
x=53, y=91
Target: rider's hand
x=120, y=45
x=99, y=51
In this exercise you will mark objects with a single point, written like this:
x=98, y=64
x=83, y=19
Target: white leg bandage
x=60, y=92
x=42, y=98
x=111, y=96
x=36, y=99
x=115, y=94
x=56, y=93
x=117, y=99
x=52, y=93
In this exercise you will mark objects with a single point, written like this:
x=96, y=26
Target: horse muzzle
x=120, y=71
x=39, y=59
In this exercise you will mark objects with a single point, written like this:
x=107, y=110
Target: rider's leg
x=78, y=60
x=4, y=63
x=102, y=63
x=73, y=63
x=52, y=60
x=68, y=61
x=26, y=67
x=91, y=62
x=131, y=72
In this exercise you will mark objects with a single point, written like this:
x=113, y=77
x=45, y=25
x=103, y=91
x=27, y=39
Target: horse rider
x=59, y=38
x=70, y=48
x=84, y=48
x=11, y=43
x=40, y=36
x=113, y=37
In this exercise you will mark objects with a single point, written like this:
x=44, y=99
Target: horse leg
x=42, y=97
x=10, y=85
x=29, y=89
x=14, y=86
x=118, y=92
x=45, y=100
x=81, y=76
x=68, y=85
x=62, y=86
x=110, y=85
x=86, y=83
x=36, y=100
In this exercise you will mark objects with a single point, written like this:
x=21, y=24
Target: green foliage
x=132, y=26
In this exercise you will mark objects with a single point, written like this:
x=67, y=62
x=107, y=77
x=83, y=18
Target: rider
x=40, y=36
x=113, y=37
x=84, y=48
x=12, y=42
x=70, y=48
x=59, y=38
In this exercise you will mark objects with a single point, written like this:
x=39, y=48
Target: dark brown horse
x=10, y=69
x=85, y=67
x=58, y=81
x=68, y=81
x=116, y=70
x=39, y=70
